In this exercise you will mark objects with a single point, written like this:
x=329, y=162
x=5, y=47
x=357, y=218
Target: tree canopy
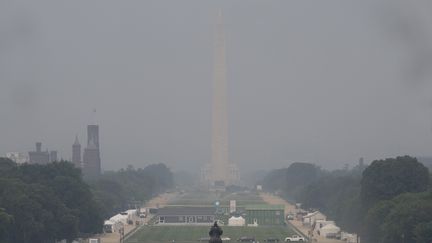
x=386, y=202
x=291, y=180
x=41, y=203
x=406, y=218
x=385, y=179
x=45, y=202
x=130, y=187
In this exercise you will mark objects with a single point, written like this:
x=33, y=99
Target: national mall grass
x=186, y=234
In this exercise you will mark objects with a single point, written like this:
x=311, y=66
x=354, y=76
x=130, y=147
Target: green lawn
x=186, y=234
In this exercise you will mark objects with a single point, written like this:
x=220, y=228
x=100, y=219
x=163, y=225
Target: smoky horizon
x=323, y=83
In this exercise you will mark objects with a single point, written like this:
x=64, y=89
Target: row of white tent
x=321, y=225
x=118, y=221
x=326, y=228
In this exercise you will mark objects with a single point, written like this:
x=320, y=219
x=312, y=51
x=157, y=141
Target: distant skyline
x=321, y=82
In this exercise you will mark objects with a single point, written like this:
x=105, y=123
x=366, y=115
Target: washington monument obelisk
x=220, y=169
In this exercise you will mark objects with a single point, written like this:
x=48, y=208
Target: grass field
x=186, y=234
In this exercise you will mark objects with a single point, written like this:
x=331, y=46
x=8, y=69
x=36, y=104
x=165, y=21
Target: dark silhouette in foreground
x=215, y=234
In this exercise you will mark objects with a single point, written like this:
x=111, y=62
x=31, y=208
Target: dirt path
x=161, y=200
x=289, y=208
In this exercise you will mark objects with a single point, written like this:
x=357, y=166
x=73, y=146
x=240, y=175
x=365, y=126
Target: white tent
x=236, y=221
x=112, y=226
x=310, y=218
x=349, y=238
x=119, y=218
x=321, y=223
x=329, y=230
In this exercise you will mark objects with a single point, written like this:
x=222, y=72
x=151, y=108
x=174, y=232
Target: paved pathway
x=289, y=208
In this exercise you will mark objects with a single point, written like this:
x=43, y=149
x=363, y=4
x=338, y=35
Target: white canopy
x=329, y=229
x=236, y=221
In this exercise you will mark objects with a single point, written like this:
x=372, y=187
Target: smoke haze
x=323, y=82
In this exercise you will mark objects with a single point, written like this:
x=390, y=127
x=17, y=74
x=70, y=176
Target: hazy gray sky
x=324, y=82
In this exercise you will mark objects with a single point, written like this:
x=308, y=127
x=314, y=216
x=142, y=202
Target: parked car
x=295, y=238
x=290, y=217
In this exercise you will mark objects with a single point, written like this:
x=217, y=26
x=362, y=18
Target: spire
x=76, y=140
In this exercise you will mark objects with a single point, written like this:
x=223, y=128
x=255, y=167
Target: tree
x=161, y=175
x=372, y=227
x=41, y=203
x=7, y=167
x=337, y=197
x=302, y=173
x=402, y=219
x=6, y=222
x=385, y=179
x=408, y=212
x=298, y=176
x=128, y=187
x=275, y=180
x=423, y=232
x=36, y=211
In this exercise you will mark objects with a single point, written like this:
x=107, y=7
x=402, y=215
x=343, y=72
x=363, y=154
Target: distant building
x=91, y=162
x=93, y=135
x=91, y=158
x=19, y=158
x=53, y=156
x=265, y=214
x=76, y=153
x=186, y=215
x=39, y=157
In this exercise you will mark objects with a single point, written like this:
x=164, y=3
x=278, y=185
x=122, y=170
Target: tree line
x=44, y=203
x=389, y=201
x=130, y=187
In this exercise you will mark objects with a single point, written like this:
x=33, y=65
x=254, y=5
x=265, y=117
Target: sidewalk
x=271, y=199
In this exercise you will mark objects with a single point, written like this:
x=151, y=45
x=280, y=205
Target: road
x=271, y=199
